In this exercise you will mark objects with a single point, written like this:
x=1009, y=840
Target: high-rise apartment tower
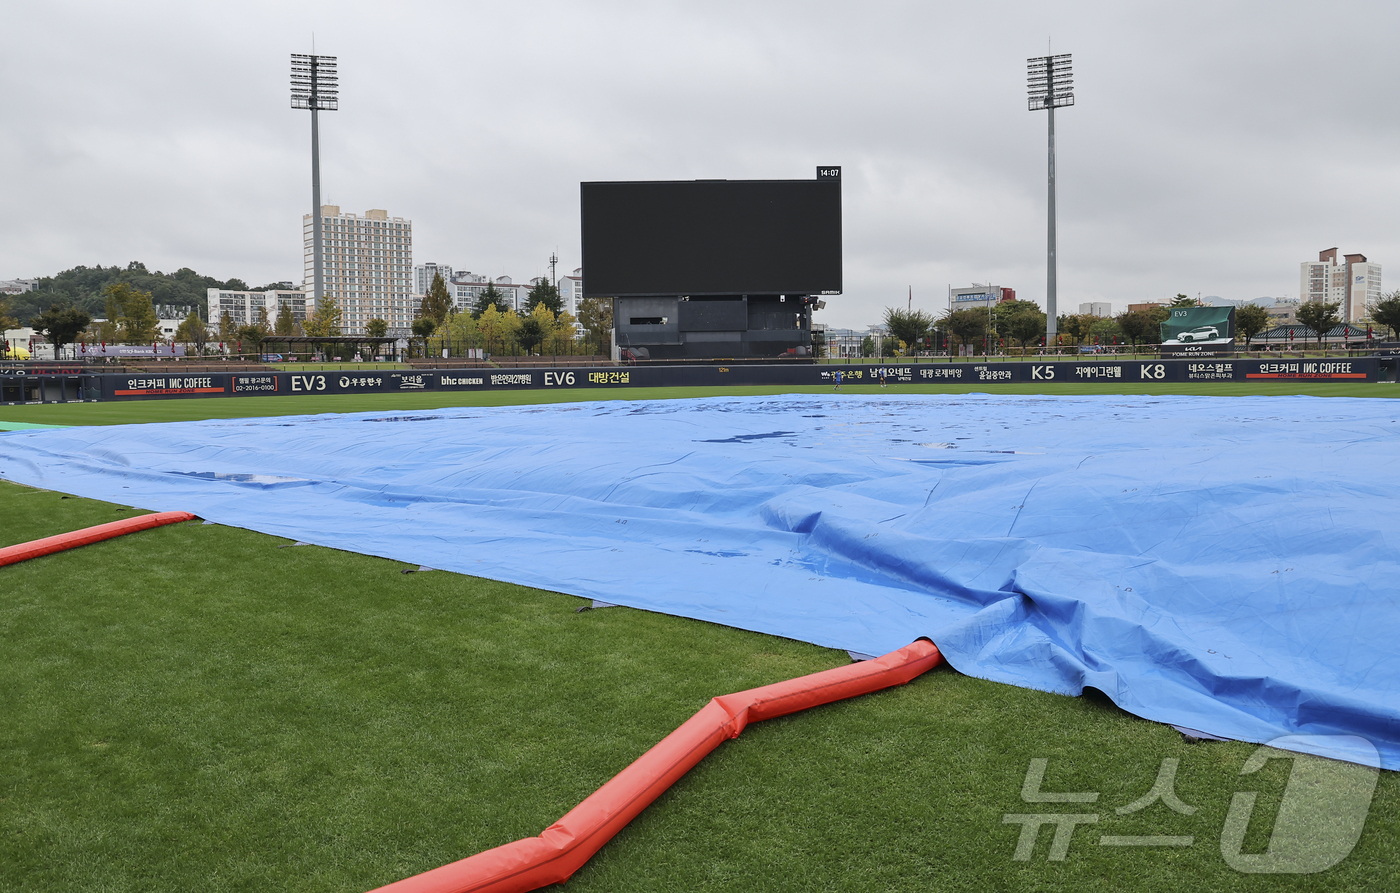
x=368, y=263
x=1353, y=283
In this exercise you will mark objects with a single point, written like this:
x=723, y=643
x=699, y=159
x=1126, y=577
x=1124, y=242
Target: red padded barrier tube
x=565, y=846
x=51, y=544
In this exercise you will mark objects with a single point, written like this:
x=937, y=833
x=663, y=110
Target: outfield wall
x=368, y=380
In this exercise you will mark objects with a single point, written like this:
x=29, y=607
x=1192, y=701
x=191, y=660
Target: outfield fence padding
x=369, y=380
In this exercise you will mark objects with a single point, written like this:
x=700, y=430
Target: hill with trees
x=85, y=288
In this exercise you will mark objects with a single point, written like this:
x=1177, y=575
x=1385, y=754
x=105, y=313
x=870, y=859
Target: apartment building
x=571, y=290
x=367, y=262
x=17, y=286
x=466, y=288
x=1353, y=282
x=242, y=306
x=423, y=276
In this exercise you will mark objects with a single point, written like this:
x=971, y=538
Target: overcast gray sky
x=1214, y=146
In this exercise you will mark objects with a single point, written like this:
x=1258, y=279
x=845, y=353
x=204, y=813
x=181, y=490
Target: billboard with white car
x=1192, y=331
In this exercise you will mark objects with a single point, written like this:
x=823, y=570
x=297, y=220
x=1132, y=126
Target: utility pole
x=553, y=277
x=1050, y=83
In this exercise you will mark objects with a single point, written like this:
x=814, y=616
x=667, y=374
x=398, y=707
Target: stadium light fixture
x=1050, y=84
x=316, y=88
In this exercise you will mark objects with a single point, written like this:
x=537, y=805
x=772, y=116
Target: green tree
x=422, y=328
x=133, y=312
x=966, y=325
x=286, y=323
x=1105, y=330
x=490, y=296
x=103, y=330
x=530, y=333
x=1077, y=325
x=1002, y=311
x=377, y=328
x=6, y=320
x=1320, y=316
x=436, y=304
x=325, y=322
x=1250, y=320
x=1387, y=313
x=907, y=325
x=456, y=335
x=1183, y=301
x=1025, y=324
x=60, y=324
x=193, y=331
x=867, y=346
x=249, y=336
x=542, y=292
x=1139, y=327
x=595, y=315
x=226, y=327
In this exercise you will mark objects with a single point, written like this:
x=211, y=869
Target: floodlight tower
x=315, y=87
x=1050, y=83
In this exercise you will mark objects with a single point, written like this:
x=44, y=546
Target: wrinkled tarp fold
x=1223, y=564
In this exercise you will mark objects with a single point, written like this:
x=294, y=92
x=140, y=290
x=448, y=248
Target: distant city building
x=466, y=288
x=17, y=286
x=1353, y=283
x=571, y=290
x=1096, y=308
x=1283, y=312
x=979, y=296
x=242, y=306
x=423, y=276
x=168, y=327
x=1145, y=306
x=368, y=268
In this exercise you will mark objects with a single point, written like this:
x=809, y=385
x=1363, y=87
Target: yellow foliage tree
x=561, y=337
x=497, y=328
x=325, y=322
x=457, y=333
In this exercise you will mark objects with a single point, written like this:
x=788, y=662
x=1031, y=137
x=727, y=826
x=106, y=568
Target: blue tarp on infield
x=1225, y=564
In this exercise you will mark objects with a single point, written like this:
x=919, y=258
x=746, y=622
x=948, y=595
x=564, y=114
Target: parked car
x=1200, y=333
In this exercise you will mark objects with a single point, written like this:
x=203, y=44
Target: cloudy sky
x=1214, y=145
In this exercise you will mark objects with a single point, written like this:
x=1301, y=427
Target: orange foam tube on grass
x=563, y=848
x=51, y=544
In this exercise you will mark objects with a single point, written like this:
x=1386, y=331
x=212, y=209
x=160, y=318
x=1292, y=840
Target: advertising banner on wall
x=1049, y=372
x=1193, y=331
x=130, y=350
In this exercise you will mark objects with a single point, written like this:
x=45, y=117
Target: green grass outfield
x=193, y=707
